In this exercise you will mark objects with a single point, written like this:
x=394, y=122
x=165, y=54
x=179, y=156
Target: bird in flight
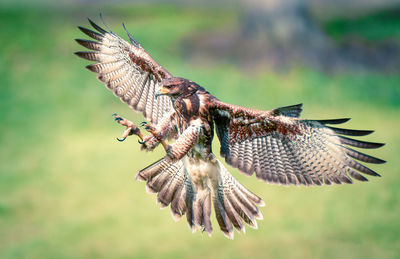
x=276, y=145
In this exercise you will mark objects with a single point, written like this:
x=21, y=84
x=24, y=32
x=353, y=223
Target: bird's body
x=195, y=109
x=277, y=146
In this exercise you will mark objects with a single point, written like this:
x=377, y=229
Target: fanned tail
x=233, y=204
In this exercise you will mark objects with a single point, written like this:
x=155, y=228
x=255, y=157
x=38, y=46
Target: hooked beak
x=160, y=91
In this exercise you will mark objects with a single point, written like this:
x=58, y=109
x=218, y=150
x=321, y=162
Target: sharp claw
x=141, y=142
x=147, y=128
x=118, y=119
x=143, y=123
x=122, y=139
x=114, y=114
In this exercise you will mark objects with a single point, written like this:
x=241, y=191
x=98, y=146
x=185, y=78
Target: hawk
x=277, y=146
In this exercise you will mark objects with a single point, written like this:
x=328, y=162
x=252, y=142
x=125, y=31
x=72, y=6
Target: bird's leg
x=155, y=133
x=185, y=141
x=131, y=129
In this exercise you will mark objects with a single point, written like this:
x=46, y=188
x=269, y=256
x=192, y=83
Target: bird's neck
x=187, y=107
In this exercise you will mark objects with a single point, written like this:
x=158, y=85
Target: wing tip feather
x=93, y=45
x=88, y=55
x=350, y=132
x=131, y=38
x=91, y=34
x=97, y=27
x=93, y=68
x=334, y=121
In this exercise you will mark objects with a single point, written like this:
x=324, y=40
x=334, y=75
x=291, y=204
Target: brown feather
x=92, y=34
x=359, y=143
x=118, y=59
x=93, y=45
x=222, y=218
x=98, y=28
x=88, y=55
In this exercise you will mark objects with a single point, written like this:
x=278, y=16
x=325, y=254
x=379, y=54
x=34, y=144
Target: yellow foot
x=131, y=129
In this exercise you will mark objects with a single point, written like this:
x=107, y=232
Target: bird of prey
x=277, y=145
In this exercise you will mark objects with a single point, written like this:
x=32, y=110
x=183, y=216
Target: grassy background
x=67, y=186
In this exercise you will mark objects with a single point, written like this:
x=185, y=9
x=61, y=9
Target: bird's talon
x=143, y=123
x=122, y=139
x=141, y=142
x=114, y=114
x=118, y=119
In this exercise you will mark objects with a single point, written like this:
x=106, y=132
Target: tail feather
x=163, y=177
x=233, y=203
x=172, y=183
x=242, y=210
x=177, y=209
x=156, y=183
x=233, y=215
x=207, y=213
x=248, y=204
x=201, y=206
x=189, y=211
x=152, y=170
x=168, y=191
x=254, y=198
x=223, y=220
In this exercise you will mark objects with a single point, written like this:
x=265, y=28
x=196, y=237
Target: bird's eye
x=168, y=86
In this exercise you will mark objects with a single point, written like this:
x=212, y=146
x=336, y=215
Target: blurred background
x=67, y=187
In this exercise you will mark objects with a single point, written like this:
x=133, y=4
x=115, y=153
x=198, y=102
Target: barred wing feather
x=283, y=149
x=127, y=70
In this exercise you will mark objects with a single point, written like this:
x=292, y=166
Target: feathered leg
x=155, y=133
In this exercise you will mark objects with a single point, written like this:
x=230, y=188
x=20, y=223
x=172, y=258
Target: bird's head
x=175, y=87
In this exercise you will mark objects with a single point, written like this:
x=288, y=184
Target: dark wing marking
x=127, y=70
x=283, y=149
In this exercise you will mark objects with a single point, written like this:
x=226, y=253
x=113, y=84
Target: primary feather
x=127, y=70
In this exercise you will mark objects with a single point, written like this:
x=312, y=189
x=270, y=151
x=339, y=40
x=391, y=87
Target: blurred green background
x=67, y=187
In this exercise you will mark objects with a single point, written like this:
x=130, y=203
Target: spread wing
x=281, y=148
x=127, y=70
